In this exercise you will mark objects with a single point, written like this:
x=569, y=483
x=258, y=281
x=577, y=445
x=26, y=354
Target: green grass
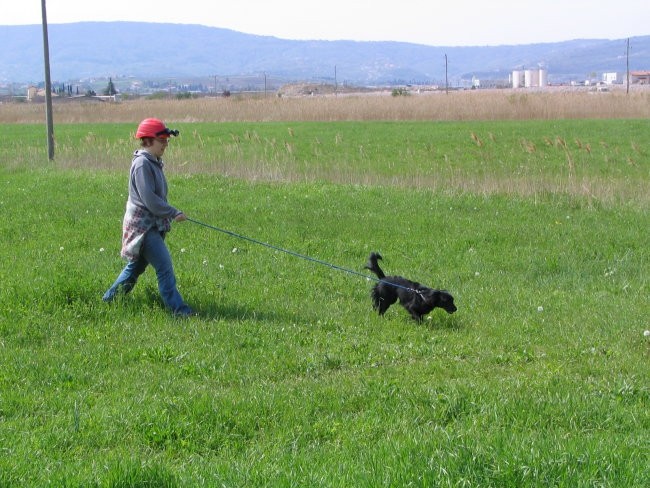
x=601, y=159
x=288, y=378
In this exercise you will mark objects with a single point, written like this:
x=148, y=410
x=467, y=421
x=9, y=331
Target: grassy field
x=287, y=378
x=601, y=159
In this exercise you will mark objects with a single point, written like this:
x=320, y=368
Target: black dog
x=417, y=299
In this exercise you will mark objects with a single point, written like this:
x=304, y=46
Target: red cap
x=154, y=128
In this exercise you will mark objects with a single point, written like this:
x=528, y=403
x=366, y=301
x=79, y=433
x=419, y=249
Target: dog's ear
x=442, y=296
x=439, y=296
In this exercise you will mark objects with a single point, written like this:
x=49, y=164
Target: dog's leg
x=416, y=316
x=383, y=306
x=383, y=296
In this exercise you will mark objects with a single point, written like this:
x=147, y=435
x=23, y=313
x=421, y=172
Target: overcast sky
x=446, y=23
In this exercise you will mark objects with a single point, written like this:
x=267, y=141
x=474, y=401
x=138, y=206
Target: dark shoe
x=185, y=313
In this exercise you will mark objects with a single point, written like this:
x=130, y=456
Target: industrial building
x=529, y=78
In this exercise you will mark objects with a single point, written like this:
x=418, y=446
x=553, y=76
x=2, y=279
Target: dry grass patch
x=459, y=105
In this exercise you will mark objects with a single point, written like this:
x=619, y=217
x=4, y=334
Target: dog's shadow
x=445, y=322
x=435, y=322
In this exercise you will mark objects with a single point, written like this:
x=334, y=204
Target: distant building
x=529, y=78
x=613, y=78
x=640, y=77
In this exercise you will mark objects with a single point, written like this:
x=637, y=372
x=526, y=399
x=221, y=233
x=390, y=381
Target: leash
x=298, y=255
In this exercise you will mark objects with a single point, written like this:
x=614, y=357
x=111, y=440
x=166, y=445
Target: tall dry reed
x=457, y=105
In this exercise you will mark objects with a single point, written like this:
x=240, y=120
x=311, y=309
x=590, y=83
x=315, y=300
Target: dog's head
x=432, y=298
x=445, y=301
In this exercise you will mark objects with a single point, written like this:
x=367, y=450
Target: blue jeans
x=154, y=252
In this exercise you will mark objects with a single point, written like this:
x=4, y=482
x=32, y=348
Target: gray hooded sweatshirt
x=147, y=205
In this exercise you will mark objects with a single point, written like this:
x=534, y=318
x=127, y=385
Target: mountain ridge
x=158, y=51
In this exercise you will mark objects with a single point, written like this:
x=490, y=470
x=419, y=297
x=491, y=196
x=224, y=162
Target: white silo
x=531, y=78
x=543, y=77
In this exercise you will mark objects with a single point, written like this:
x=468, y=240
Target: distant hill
x=158, y=51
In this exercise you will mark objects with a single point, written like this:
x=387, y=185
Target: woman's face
x=158, y=146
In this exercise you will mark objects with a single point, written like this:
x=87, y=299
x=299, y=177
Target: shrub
x=185, y=96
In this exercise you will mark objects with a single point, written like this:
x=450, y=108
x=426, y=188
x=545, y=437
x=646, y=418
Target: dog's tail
x=373, y=266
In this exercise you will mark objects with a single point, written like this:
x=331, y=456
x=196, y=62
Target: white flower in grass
x=61, y=248
x=101, y=249
x=234, y=250
x=540, y=309
x=205, y=262
x=646, y=333
x=477, y=274
x=182, y=249
x=221, y=266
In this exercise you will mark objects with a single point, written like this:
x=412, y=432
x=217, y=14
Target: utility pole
x=446, y=78
x=48, y=87
x=627, y=60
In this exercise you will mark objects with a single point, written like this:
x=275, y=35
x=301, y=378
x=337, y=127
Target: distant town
x=109, y=89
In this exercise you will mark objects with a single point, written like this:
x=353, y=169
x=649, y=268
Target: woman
x=148, y=218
